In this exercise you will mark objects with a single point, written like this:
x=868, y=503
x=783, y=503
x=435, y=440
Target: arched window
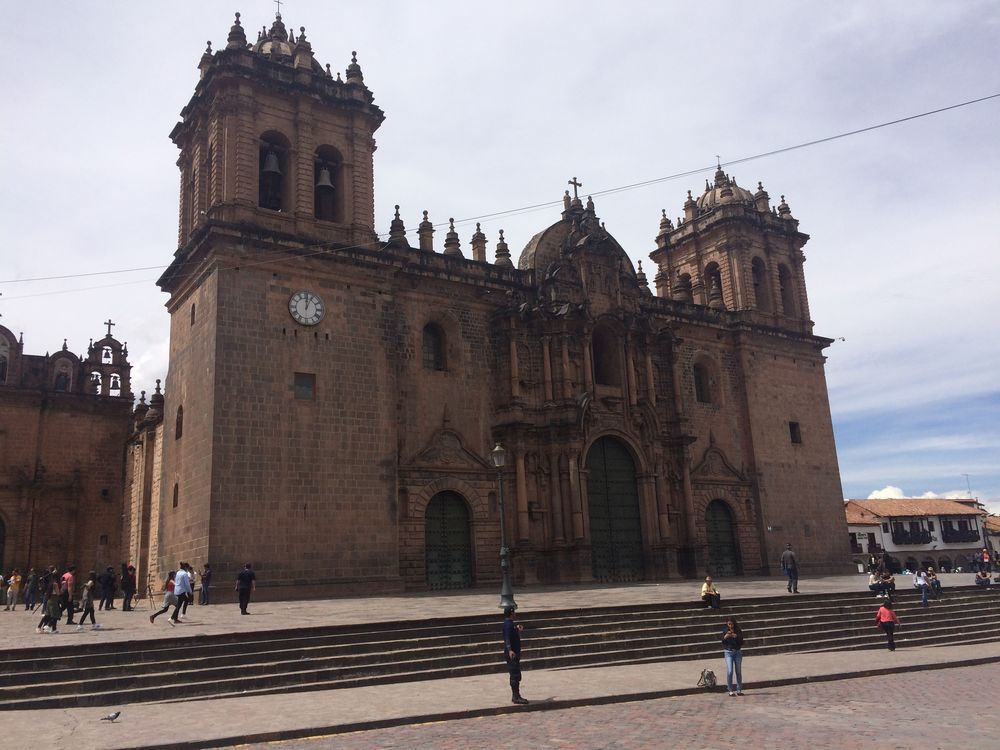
x=273, y=179
x=433, y=348
x=702, y=386
x=682, y=292
x=327, y=185
x=95, y=382
x=107, y=356
x=115, y=385
x=787, y=292
x=179, y=423
x=607, y=357
x=761, y=289
x=713, y=284
x=62, y=378
x=4, y=359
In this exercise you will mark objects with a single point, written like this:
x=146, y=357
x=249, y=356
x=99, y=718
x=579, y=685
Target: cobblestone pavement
x=907, y=711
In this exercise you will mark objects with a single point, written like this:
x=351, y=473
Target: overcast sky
x=495, y=106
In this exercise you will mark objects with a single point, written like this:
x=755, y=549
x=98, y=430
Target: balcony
x=952, y=536
x=903, y=537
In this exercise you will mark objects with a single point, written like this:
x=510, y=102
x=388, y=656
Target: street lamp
x=499, y=457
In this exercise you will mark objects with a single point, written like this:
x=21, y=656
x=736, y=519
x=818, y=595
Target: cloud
x=886, y=492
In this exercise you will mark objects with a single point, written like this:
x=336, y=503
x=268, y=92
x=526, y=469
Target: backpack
x=707, y=679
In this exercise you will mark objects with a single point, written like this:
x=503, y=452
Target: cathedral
x=336, y=394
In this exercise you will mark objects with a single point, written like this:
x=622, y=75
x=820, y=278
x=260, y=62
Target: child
x=887, y=620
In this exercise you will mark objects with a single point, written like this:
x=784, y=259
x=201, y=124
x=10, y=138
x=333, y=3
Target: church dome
x=724, y=190
x=544, y=248
x=274, y=43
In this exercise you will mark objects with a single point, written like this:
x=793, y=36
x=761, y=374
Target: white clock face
x=307, y=308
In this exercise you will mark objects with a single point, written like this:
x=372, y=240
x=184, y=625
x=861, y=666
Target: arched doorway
x=723, y=554
x=615, y=524
x=448, y=549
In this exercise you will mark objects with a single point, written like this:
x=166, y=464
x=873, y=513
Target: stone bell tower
x=276, y=163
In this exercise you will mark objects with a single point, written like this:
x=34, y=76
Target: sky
x=491, y=107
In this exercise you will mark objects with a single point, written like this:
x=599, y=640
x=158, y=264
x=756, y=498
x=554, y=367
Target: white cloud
x=886, y=492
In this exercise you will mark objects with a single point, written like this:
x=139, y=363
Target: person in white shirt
x=182, y=589
x=920, y=581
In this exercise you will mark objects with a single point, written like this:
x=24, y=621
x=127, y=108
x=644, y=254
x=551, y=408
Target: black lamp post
x=499, y=457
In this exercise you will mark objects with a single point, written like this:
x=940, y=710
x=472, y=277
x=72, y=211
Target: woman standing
x=732, y=644
x=169, y=599
x=887, y=620
x=87, y=602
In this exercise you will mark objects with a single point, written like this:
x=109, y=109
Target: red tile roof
x=910, y=506
x=858, y=516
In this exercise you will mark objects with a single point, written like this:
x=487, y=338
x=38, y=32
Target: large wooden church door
x=615, y=525
x=447, y=547
x=723, y=554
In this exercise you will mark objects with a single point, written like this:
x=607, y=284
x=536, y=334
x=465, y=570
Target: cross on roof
x=575, y=185
x=108, y=323
x=278, y=3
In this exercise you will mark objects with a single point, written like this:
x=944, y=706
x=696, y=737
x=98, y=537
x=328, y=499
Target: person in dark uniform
x=512, y=653
x=246, y=582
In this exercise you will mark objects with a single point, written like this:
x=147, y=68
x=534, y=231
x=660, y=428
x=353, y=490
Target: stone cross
x=575, y=185
x=108, y=323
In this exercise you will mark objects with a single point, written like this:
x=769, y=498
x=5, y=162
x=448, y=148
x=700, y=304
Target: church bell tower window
x=327, y=188
x=273, y=173
x=433, y=348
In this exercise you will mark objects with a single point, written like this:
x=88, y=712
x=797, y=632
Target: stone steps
x=267, y=662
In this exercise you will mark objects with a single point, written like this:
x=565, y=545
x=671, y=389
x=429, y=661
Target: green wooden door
x=447, y=540
x=615, y=525
x=723, y=554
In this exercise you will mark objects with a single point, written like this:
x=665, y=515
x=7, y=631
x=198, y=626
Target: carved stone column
x=521, y=486
x=567, y=383
x=555, y=498
x=547, y=367
x=515, y=375
x=575, y=485
x=588, y=365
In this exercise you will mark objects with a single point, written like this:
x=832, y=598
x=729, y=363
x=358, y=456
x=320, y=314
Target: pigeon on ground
x=111, y=717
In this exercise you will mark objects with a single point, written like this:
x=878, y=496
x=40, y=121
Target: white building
x=947, y=534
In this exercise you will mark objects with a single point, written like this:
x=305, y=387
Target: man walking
x=182, y=590
x=790, y=568
x=245, y=585
x=512, y=653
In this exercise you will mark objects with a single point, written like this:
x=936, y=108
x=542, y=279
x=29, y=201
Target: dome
x=544, y=248
x=725, y=190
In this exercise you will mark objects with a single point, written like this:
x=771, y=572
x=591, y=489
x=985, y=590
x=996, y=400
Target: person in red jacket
x=887, y=620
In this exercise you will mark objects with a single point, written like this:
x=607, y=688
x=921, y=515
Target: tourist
x=128, y=586
x=246, y=584
x=889, y=584
x=107, y=582
x=934, y=582
x=982, y=578
x=887, y=620
x=732, y=649
x=921, y=584
x=169, y=598
x=709, y=594
x=67, y=586
x=512, y=653
x=31, y=591
x=987, y=563
x=182, y=589
x=13, y=589
x=875, y=584
x=45, y=585
x=51, y=610
x=193, y=575
x=87, y=601
x=790, y=567
x=206, y=579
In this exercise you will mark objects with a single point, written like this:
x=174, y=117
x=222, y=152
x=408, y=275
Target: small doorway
x=723, y=553
x=447, y=539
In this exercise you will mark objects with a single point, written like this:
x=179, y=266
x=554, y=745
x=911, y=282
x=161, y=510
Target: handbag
x=707, y=679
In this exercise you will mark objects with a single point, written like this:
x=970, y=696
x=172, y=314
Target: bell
x=323, y=181
x=271, y=165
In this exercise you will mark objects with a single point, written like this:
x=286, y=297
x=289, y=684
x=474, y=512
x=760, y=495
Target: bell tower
x=272, y=139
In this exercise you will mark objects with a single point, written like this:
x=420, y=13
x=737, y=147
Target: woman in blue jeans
x=732, y=643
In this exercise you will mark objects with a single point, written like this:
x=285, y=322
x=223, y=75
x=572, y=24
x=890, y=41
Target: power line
x=326, y=247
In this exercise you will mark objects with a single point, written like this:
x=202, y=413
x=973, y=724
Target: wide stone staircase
x=279, y=661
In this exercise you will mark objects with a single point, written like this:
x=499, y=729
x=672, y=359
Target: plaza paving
x=218, y=722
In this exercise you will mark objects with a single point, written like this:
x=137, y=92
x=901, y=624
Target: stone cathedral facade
x=334, y=392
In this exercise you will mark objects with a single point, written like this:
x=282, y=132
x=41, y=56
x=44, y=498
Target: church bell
x=323, y=181
x=271, y=165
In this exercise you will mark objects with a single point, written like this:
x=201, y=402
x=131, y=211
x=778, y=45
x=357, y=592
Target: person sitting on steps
x=982, y=578
x=709, y=594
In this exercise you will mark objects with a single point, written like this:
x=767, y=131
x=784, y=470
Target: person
x=51, y=610
x=987, y=563
x=246, y=584
x=182, y=589
x=732, y=649
x=206, y=579
x=887, y=620
x=169, y=598
x=87, y=601
x=790, y=567
x=193, y=577
x=31, y=591
x=67, y=586
x=128, y=586
x=13, y=589
x=875, y=584
x=920, y=582
x=982, y=578
x=709, y=594
x=45, y=585
x=512, y=653
x=107, y=582
x=934, y=582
